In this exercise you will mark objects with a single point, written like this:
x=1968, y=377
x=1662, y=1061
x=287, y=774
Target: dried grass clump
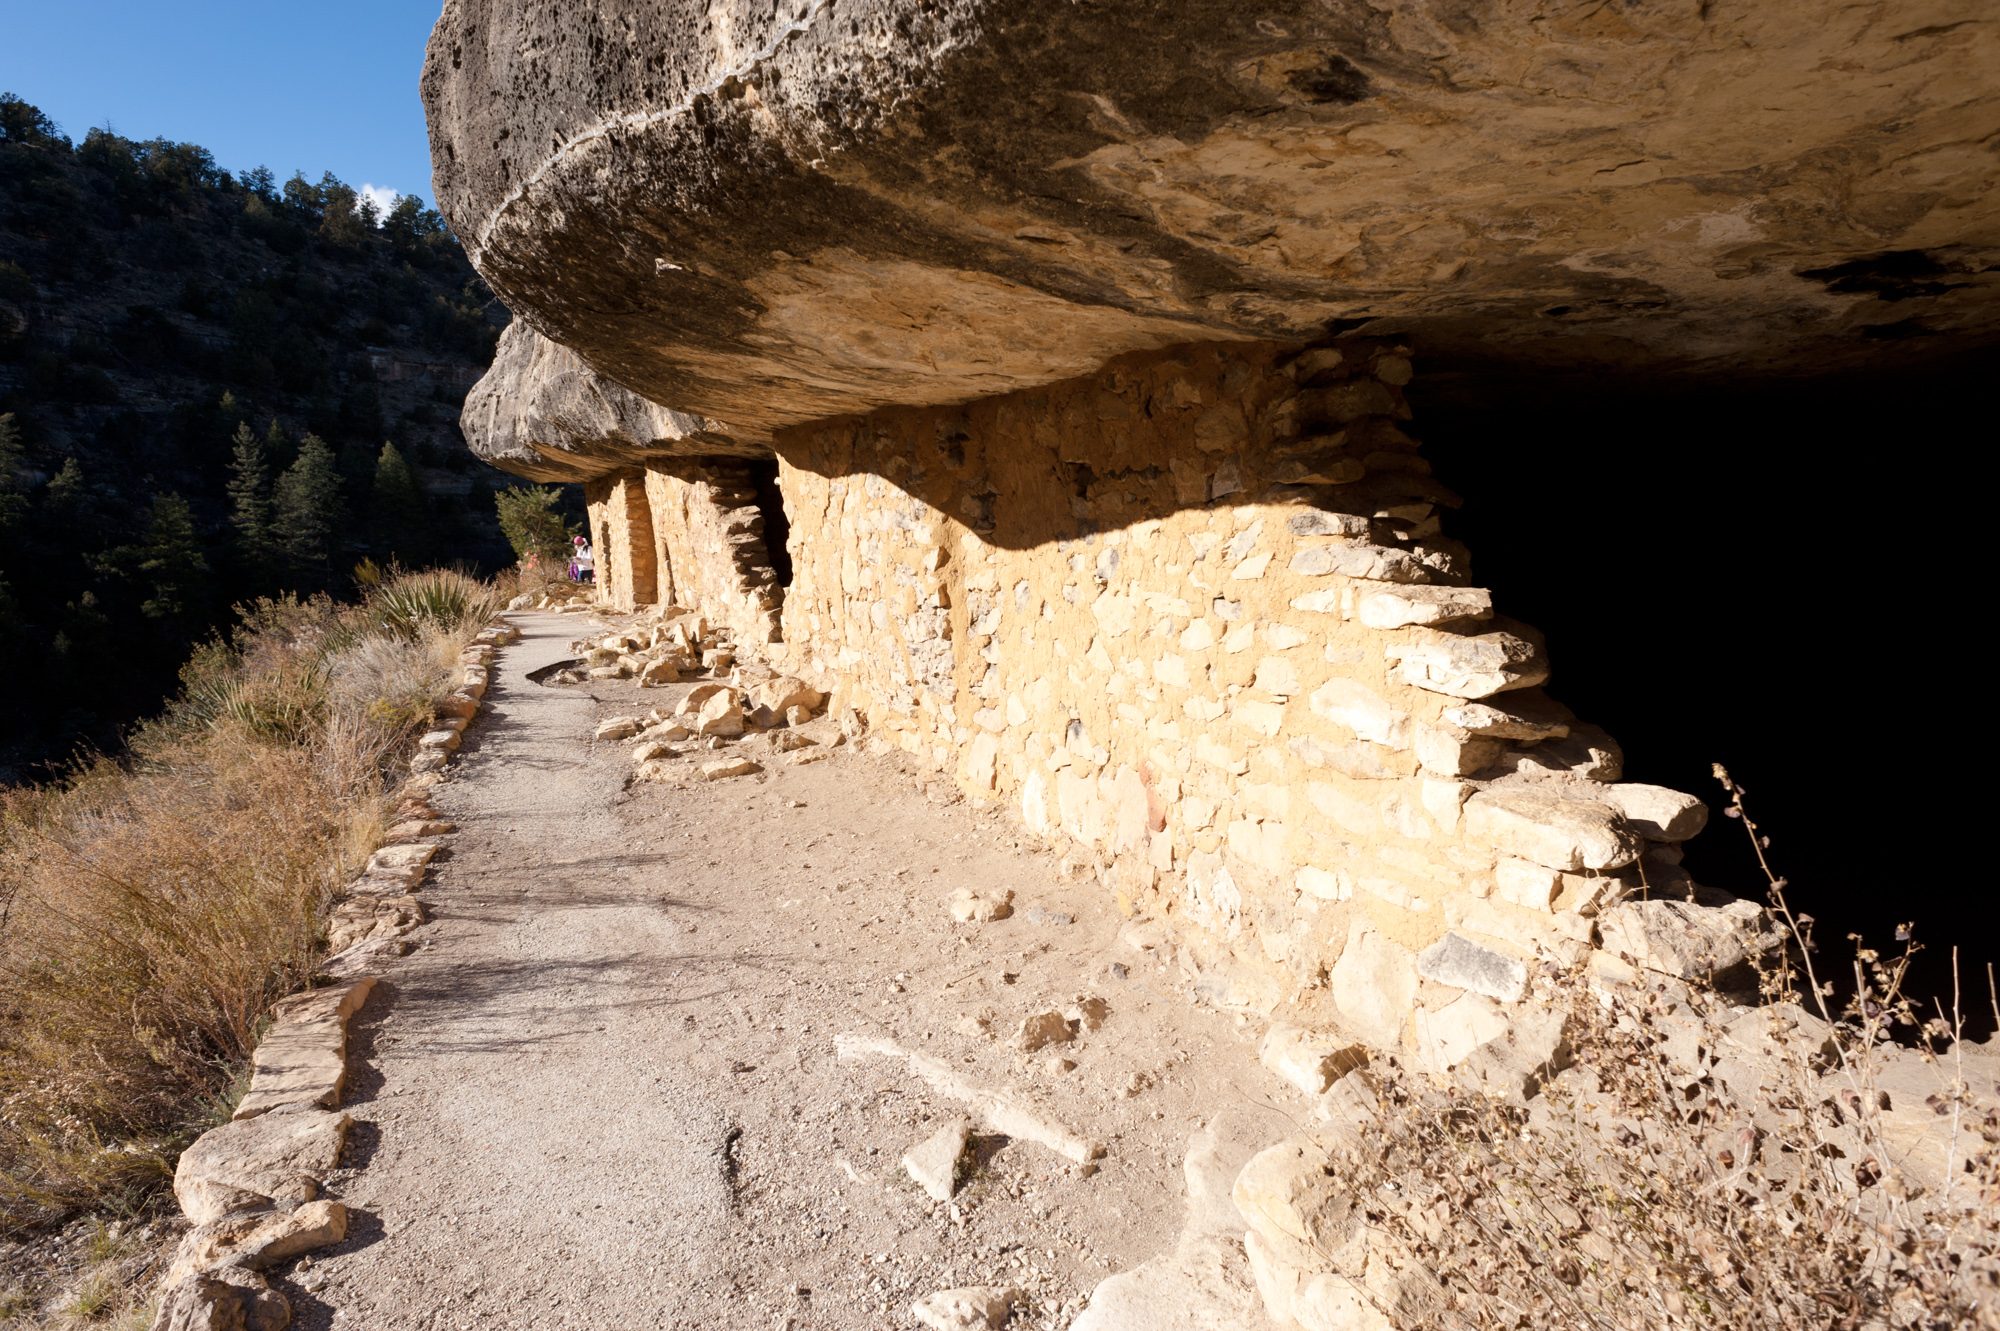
x=152, y=909
x=389, y=684
x=1697, y=1165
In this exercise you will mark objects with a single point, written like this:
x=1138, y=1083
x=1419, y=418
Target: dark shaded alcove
x=777, y=526
x=1775, y=576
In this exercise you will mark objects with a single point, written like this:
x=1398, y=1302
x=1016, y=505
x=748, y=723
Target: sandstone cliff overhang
x=770, y=214
x=542, y=413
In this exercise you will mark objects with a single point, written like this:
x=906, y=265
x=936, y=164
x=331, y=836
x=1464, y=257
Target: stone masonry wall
x=621, y=534
x=685, y=533
x=710, y=538
x=1195, y=615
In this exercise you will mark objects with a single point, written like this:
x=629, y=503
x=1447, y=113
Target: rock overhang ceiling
x=762, y=216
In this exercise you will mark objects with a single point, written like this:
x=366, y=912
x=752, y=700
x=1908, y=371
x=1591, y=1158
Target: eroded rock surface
x=543, y=413
x=771, y=214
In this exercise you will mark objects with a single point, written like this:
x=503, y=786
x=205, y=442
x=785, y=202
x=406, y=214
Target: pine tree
x=530, y=523
x=250, y=498
x=306, y=509
x=397, y=507
x=13, y=495
x=170, y=561
x=66, y=487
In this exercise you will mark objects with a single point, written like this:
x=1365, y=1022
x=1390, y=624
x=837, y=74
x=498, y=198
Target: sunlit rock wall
x=1195, y=616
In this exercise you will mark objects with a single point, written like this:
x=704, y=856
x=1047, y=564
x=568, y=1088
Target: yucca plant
x=445, y=599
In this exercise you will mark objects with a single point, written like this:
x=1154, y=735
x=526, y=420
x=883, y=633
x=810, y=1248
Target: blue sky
x=312, y=86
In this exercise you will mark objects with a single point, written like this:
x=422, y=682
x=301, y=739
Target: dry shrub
x=151, y=910
x=387, y=686
x=152, y=921
x=1695, y=1165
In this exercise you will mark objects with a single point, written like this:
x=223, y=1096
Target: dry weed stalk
x=1690, y=1164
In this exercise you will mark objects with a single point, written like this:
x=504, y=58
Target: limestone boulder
x=272, y=1160
x=1310, y=1061
x=366, y=919
x=258, y=1239
x=1446, y=1036
x=457, y=704
x=1687, y=939
x=406, y=861
x=617, y=728
x=969, y=907
x=1927, y=1145
x=1374, y=985
x=1292, y=1198
x=1584, y=753
x=693, y=700
x=226, y=1299
x=659, y=672
x=720, y=770
x=933, y=1163
x=1395, y=607
x=780, y=695
x=1309, y=1299
x=1446, y=750
x=1520, y=716
x=1551, y=827
x=302, y=1059
x=1462, y=963
x=1655, y=812
x=417, y=829
x=1375, y=563
x=720, y=714
x=1470, y=665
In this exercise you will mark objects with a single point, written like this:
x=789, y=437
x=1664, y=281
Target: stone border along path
x=250, y=1188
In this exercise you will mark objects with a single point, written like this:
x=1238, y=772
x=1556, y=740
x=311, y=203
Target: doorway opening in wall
x=1765, y=575
x=777, y=527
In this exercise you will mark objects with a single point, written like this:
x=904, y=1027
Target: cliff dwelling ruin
x=1083, y=342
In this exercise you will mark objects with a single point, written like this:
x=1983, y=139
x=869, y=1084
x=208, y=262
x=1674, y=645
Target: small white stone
x=1310, y=1061
x=728, y=767
x=933, y=1162
x=969, y=907
x=976, y=1308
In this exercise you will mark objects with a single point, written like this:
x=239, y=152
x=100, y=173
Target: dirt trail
x=603, y=1092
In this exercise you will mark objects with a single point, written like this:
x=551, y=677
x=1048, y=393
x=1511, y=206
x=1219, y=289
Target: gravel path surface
x=603, y=1091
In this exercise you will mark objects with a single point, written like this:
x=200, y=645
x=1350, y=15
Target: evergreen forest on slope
x=213, y=388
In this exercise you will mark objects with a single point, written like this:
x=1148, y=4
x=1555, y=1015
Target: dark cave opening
x=777, y=527
x=1761, y=575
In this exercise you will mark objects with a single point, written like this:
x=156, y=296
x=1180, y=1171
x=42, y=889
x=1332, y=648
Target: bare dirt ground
x=604, y=1092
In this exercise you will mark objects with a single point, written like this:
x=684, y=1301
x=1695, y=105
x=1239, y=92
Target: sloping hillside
x=168, y=331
